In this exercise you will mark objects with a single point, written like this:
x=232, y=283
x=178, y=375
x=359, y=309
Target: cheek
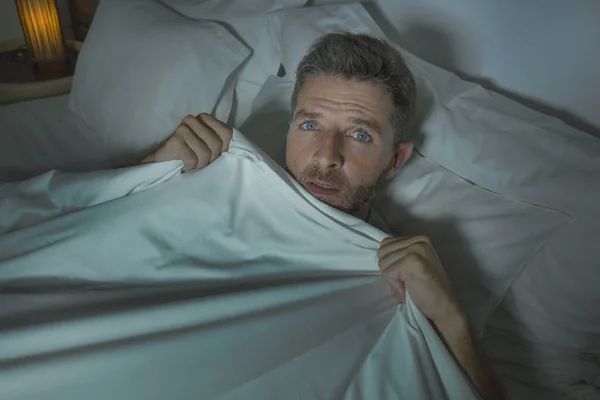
x=363, y=169
x=293, y=153
x=289, y=148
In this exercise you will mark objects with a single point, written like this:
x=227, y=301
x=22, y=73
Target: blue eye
x=361, y=136
x=309, y=126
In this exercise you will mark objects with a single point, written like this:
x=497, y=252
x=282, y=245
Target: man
x=352, y=104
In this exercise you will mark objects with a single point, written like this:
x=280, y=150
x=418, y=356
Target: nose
x=329, y=152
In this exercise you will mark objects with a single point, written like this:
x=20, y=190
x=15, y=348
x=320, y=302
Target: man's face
x=340, y=142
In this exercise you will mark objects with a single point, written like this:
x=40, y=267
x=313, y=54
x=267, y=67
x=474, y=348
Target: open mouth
x=324, y=185
x=320, y=188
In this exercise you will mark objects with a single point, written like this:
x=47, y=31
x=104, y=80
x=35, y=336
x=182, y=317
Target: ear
x=401, y=155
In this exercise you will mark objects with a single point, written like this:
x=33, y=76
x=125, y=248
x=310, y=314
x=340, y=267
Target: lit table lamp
x=39, y=19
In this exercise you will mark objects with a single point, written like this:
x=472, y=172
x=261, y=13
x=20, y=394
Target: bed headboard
x=82, y=12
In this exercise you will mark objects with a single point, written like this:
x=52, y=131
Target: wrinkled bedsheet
x=230, y=283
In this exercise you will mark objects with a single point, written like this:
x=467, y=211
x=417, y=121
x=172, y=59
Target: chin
x=338, y=205
x=329, y=201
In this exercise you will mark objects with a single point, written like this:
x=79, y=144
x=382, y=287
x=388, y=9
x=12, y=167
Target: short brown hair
x=365, y=59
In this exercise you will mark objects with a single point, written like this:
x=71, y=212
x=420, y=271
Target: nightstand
x=18, y=81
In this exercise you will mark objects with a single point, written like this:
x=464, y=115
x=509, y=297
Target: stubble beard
x=355, y=198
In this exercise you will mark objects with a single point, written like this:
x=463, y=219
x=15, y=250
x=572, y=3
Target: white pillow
x=548, y=326
x=296, y=29
x=248, y=21
x=483, y=239
x=143, y=68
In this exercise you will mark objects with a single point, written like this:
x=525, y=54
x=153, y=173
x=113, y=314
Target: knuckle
x=176, y=140
x=189, y=161
x=205, y=118
x=226, y=138
x=204, y=150
x=389, y=274
x=388, y=239
x=203, y=145
x=188, y=118
x=393, y=276
x=203, y=160
x=219, y=141
x=424, y=239
x=415, y=259
x=179, y=131
x=198, y=146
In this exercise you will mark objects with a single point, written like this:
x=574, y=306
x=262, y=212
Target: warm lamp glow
x=39, y=19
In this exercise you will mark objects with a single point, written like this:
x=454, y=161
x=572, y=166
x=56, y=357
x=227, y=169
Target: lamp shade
x=39, y=19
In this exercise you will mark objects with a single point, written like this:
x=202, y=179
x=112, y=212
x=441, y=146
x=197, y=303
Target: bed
x=508, y=196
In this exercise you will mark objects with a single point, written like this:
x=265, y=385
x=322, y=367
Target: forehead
x=346, y=97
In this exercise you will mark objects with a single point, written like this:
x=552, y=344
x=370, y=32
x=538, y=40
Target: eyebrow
x=368, y=123
x=307, y=114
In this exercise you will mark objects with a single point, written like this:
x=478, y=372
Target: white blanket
x=229, y=283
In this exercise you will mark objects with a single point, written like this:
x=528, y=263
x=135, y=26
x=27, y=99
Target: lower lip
x=318, y=190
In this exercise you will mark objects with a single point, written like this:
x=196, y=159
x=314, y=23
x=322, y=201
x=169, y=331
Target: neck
x=363, y=213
